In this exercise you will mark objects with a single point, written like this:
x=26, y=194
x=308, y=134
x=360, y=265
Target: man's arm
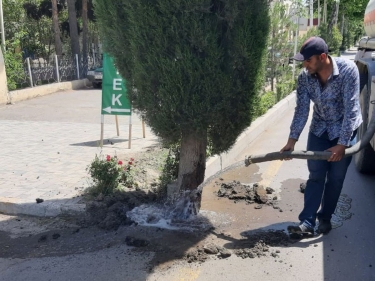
x=351, y=106
x=351, y=112
x=301, y=113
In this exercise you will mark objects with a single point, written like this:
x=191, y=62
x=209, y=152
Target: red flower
x=130, y=163
x=120, y=162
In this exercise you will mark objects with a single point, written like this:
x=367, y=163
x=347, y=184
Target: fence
x=60, y=69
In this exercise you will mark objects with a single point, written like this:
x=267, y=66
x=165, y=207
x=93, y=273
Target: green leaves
x=190, y=64
x=14, y=61
x=107, y=174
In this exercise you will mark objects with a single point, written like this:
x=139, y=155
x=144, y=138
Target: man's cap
x=312, y=46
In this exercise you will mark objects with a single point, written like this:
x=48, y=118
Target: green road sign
x=114, y=97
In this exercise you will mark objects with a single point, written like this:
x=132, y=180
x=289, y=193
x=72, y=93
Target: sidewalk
x=47, y=143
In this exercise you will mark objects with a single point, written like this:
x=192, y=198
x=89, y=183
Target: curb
x=257, y=127
x=38, y=91
x=15, y=206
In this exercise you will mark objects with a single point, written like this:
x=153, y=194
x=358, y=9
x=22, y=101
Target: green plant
x=107, y=174
x=265, y=102
x=127, y=177
x=170, y=169
x=284, y=88
x=13, y=62
x=332, y=37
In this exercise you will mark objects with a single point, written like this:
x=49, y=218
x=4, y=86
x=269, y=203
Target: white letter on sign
x=116, y=99
x=117, y=84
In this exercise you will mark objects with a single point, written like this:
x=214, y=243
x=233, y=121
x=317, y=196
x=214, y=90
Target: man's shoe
x=325, y=226
x=297, y=231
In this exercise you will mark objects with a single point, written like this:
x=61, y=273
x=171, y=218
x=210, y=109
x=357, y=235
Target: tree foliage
x=13, y=61
x=190, y=65
x=33, y=19
x=280, y=43
x=354, y=9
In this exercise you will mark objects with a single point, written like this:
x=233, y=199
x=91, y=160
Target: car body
x=95, y=76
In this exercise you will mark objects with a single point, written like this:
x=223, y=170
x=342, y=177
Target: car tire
x=365, y=159
x=96, y=85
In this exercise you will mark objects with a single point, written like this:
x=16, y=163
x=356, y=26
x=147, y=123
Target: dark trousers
x=325, y=182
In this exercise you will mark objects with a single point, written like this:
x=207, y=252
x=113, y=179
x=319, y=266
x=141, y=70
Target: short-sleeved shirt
x=336, y=105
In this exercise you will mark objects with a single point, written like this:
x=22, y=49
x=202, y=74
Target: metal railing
x=60, y=69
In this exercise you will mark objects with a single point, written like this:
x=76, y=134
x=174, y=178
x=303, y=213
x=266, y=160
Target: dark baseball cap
x=312, y=46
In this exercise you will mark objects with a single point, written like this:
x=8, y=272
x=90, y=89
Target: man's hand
x=289, y=147
x=338, y=152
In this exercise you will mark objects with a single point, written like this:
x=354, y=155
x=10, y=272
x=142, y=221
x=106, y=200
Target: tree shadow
x=96, y=143
x=109, y=142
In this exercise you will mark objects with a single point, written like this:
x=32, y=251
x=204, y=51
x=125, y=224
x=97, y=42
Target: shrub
x=266, y=101
x=107, y=174
x=13, y=65
x=284, y=88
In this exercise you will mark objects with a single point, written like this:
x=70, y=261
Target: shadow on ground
x=100, y=234
x=96, y=143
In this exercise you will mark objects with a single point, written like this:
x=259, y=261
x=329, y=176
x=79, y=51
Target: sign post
x=114, y=96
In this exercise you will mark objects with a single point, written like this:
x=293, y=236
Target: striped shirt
x=336, y=105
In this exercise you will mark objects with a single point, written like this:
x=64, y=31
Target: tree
x=334, y=16
x=279, y=45
x=73, y=28
x=351, y=13
x=85, y=31
x=193, y=69
x=56, y=28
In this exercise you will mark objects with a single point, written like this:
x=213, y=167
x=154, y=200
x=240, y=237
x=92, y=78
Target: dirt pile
x=259, y=244
x=255, y=245
x=201, y=254
x=251, y=194
x=109, y=212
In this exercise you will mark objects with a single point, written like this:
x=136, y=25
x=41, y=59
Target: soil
x=260, y=243
x=251, y=194
x=109, y=212
x=106, y=223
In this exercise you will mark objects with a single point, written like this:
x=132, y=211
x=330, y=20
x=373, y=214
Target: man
x=332, y=84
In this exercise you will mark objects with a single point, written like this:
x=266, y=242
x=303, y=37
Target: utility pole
x=2, y=25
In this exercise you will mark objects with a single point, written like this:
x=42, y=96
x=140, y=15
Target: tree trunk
x=73, y=28
x=337, y=11
x=192, y=165
x=333, y=17
x=84, y=32
x=342, y=23
x=56, y=28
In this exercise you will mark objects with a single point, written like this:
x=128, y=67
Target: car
x=95, y=76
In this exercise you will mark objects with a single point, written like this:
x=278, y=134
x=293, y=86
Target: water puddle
x=342, y=212
x=161, y=217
